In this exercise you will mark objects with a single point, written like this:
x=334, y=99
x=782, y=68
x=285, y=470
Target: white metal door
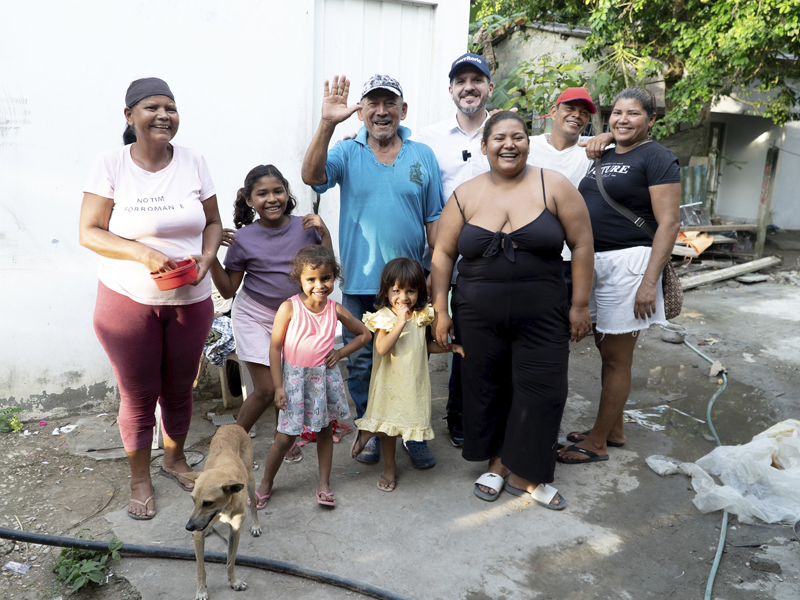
x=359, y=38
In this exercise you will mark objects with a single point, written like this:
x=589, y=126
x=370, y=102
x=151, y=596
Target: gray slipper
x=490, y=480
x=174, y=476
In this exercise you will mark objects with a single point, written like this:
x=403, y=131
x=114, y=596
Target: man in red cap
x=559, y=150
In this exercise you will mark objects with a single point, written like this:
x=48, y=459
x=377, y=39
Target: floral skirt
x=315, y=397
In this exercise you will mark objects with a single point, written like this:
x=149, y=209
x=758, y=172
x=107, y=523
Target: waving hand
x=334, y=101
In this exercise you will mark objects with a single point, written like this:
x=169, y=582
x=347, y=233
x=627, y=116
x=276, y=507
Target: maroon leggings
x=155, y=353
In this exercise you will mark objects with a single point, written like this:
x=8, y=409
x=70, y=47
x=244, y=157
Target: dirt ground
x=661, y=546
x=47, y=489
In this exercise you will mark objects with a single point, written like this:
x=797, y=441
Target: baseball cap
x=476, y=60
x=577, y=93
x=382, y=82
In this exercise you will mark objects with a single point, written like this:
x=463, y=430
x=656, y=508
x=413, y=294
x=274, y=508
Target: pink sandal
x=261, y=501
x=296, y=458
x=326, y=498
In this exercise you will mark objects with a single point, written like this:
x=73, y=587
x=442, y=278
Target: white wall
x=418, y=55
x=746, y=140
x=245, y=80
x=786, y=193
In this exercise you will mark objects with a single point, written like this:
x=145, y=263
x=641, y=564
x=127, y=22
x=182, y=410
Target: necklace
x=639, y=143
x=636, y=145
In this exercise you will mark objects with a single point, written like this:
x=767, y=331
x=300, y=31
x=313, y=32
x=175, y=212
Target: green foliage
x=534, y=85
x=78, y=567
x=495, y=24
x=8, y=419
x=701, y=49
x=554, y=11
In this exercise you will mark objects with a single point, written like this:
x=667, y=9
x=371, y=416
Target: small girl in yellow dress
x=399, y=402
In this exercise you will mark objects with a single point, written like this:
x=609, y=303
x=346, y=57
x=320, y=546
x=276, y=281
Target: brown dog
x=220, y=493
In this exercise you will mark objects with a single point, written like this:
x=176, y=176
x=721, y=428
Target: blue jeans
x=359, y=363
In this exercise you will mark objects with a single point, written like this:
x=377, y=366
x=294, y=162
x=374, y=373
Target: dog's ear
x=193, y=475
x=232, y=487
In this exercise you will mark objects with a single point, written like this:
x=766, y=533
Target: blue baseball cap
x=470, y=59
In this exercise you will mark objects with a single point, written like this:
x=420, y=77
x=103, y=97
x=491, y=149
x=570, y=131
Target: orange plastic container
x=185, y=273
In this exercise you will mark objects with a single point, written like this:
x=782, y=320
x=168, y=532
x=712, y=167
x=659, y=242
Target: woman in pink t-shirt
x=146, y=206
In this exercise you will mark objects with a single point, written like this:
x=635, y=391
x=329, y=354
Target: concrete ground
x=626, y=533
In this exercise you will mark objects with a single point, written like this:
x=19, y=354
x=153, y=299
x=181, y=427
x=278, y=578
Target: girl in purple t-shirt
x=262, y=253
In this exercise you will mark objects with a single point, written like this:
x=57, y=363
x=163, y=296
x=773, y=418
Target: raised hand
x=403, y=312
x=334, y=101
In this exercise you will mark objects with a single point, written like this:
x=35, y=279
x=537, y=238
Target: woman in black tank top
x=515, y=321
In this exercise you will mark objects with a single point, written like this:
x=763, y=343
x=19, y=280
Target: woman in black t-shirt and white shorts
x=643, y=176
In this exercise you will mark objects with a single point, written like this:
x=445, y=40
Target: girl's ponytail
x=242, y=213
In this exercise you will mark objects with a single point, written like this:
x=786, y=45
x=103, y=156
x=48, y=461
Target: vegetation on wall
x=701, y=49
x=534, y=85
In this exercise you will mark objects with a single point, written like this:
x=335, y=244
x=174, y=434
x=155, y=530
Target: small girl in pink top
x=308, y=386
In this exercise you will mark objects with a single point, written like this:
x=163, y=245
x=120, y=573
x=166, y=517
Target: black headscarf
x=149, y=86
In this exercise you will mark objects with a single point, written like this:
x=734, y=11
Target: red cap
x=577, y=93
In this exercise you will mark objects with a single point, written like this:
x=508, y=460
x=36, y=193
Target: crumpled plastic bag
x=761, y=479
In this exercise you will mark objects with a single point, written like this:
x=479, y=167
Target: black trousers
x=515, y=334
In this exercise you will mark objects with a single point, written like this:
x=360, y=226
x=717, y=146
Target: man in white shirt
x=456, y=142
x=560, y=149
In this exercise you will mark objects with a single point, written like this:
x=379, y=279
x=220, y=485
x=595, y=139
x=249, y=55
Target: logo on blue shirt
x=415, y=174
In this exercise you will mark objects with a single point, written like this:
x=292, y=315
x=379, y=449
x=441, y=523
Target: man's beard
x=471, y=110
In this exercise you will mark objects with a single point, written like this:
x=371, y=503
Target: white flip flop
x=543, y=495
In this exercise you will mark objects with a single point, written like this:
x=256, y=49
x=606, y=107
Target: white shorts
x=252, y=329
x=617, y=276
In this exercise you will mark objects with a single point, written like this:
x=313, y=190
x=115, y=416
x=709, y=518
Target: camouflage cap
x=382, y=82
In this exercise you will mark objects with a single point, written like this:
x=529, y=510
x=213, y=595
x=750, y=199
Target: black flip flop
x=593, y=457
x=571, y=437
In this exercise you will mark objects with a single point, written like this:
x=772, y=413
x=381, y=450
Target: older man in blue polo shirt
x=390, y=201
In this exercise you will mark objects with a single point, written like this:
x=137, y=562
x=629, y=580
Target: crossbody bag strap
x=630, y=215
